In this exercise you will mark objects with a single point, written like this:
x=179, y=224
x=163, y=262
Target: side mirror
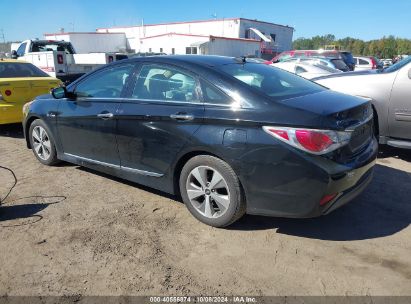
x=14, y=55
x=59, y=93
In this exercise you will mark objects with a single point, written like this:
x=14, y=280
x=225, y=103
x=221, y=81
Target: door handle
x=105, y=115
x=182, y=117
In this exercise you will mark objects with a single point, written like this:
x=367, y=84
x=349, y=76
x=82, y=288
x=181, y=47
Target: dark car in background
x=347, y=57
x=231, y=137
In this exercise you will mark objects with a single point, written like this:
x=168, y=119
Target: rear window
x=12, y=70
x=271, y=81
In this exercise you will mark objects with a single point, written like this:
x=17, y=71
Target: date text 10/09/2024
x=201, y=299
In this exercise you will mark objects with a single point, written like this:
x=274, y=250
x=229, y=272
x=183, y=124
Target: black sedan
x=230, y=136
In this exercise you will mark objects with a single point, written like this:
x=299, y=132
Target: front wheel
x=211, y=191
x=42, y=143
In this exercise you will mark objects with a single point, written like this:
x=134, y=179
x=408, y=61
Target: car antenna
x=241, y=59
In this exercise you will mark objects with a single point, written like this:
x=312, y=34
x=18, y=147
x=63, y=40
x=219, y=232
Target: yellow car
x=21, y=82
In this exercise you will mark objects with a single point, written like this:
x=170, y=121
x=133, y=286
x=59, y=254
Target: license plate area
x=361, y=136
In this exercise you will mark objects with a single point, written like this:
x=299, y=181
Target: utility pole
x=2, y=35
x=3, y=47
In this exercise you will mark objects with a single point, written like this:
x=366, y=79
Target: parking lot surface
x=66, y=230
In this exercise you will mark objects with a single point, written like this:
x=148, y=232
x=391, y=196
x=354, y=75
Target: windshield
x=12, y=70
x=398, y=65
x=271, y=81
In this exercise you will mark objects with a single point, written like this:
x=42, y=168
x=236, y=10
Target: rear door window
x=158, y=82
x=213, y=95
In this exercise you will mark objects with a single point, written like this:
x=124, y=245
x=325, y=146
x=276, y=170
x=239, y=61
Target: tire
x=42, y=143
x=199, y=189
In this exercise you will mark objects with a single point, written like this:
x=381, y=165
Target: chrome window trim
x=141, y=100
x=142, y=172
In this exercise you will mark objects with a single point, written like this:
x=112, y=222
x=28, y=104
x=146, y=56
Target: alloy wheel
x=41, y=143
x=208, y=191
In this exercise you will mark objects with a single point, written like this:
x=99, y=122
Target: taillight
x=310, y=140
x=7, y=92
x=313, y=140
x=374, y=63
x=327, y=198
x=60, y=59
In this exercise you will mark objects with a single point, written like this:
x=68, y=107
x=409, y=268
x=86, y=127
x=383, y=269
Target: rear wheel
x=211, y=191
x=42, y=143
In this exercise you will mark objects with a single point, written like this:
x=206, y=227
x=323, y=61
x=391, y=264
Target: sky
x=364, y=19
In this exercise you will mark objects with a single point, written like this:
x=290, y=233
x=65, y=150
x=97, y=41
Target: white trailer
x=93, y=42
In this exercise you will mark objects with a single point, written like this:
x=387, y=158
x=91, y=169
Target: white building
x=232, y=37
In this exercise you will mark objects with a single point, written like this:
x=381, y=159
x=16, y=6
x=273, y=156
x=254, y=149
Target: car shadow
x=26, y=209
x=383, y=209
x=12, y=130
x=132, y=184
x=387, y=151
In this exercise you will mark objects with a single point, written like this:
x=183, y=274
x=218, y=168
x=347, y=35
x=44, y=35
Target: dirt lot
x=66, y=230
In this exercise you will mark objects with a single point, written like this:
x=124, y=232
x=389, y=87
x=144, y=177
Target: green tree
x=386, y=47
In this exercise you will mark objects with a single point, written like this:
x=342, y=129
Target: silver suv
x=390, y=92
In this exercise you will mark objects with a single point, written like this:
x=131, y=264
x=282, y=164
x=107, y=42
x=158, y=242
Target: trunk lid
x=336, y=111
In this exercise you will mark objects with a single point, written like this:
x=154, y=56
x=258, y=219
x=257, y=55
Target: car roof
x=203, y=60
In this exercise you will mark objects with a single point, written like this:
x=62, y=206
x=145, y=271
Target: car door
x=86, y=124
x=156, y=121
x=400, y=105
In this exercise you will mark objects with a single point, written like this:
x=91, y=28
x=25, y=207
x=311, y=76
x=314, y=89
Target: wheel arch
x=182, y=161
x=185, y=157
x=27, y=128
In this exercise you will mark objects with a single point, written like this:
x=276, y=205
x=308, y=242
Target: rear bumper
x=293, y=187
x=350, y=194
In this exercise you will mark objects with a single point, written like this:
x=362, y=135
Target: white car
x=306, y=69
x=367, y=63
x=389, y=91
x=387, y=62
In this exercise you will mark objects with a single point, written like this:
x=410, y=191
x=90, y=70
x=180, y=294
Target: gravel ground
x=69, y=231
